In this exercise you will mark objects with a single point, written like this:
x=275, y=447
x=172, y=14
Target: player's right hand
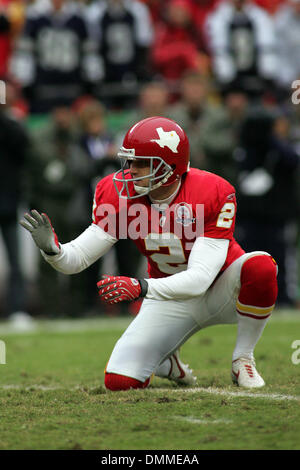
x=42, y=232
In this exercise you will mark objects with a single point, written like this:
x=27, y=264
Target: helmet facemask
x=159, y=173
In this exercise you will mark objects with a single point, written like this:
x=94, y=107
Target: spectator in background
x=97, y=142
x=201, y=9
x=153, y=100
x=15, y=102
x=59, y=173
x=156, y=11
x=293, y=117
x=11, y=22
x=267, y=197
x=287, y=23
x=123, y=32
x=14, y=146
x=191, y=111
x=221, y=131
x=270, y=5
x=242, y=43
x=177, y=44
x=55, y=61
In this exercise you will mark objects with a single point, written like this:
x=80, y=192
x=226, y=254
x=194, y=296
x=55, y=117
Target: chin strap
x=143, y=191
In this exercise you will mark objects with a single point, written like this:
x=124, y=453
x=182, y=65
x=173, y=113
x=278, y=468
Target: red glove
x=115, y=289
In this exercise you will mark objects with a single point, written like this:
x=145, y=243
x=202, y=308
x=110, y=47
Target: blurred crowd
x=77, y=74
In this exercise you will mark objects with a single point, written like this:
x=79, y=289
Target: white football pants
x=162, y=326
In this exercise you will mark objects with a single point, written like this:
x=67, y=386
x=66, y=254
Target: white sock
x=164, y=369
x=248, y=334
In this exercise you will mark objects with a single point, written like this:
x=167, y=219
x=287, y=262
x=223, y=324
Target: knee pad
x=116, y=382
x=258, y=286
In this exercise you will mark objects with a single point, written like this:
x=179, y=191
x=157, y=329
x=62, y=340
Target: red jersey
x=205, y=205
x=174, y=51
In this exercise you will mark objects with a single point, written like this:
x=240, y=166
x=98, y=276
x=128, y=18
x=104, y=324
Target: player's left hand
x=115, y=289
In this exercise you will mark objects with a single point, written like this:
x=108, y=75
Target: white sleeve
x=80, y=253
x=206, y=259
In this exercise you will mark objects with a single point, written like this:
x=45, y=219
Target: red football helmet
x=164, y=144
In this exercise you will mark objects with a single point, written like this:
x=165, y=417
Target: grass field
x=52, y=393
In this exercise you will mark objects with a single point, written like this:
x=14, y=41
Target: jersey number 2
x=226, y=215
x=164, y=261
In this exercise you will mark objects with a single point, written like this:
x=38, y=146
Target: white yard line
x=228, y=393
x=209, y=390
x=192, y=420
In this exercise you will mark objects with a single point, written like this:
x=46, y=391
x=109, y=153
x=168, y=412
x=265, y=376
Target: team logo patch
x=167, y=139
x=184, y=214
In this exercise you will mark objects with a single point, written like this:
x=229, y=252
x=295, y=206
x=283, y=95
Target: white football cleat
x=244, y=373
x=179, y=372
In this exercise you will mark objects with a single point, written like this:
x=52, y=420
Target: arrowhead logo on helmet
x=167, y=139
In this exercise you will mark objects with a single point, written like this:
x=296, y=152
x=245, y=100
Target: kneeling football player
x=182, y=219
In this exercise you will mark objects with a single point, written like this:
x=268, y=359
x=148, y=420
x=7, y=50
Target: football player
x=198, y=277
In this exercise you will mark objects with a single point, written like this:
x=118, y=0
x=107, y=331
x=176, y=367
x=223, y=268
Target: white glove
x=42, y=232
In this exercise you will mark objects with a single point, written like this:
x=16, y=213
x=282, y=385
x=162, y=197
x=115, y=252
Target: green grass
x=52, y=393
